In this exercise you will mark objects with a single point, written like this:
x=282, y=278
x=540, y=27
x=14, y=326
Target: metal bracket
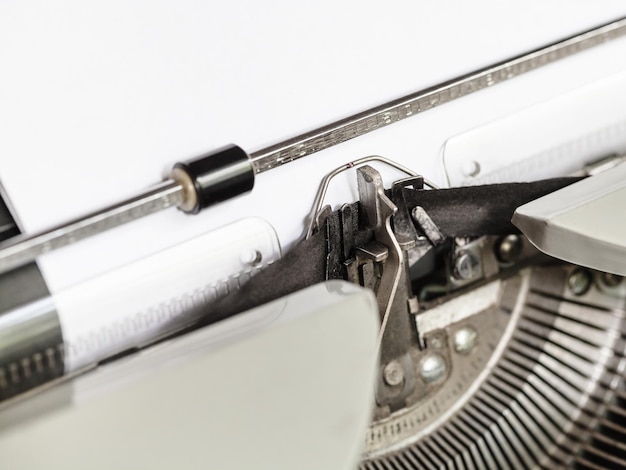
x=382, y=265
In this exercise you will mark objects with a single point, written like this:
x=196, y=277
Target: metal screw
x=433, y=368
x=611, y=280
x=465, y=340
x=393, y=374
x=466, y=266
x=509, y=249
x=579, y=281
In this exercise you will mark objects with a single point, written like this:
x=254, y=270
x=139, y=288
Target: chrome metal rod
x=423, y=100
x=25, y=248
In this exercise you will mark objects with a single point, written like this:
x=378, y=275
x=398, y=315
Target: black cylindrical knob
x=216, y=176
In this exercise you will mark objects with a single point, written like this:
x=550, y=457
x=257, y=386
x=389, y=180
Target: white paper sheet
x=97, y=99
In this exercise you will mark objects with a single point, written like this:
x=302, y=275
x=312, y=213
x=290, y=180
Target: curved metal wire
x=321, y=192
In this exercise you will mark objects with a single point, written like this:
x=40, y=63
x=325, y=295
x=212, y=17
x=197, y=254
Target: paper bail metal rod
x=195, y=185
x=416, y=103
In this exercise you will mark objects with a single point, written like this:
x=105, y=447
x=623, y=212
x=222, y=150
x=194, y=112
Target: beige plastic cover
x=584, y=223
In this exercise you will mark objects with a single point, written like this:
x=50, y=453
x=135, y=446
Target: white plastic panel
x=551, y=139
x=156, y=295
x=292, y=393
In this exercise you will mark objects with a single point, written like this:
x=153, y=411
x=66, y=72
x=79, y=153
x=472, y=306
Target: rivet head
x=393, y=374
x=465, y=340
x=251, y=258
x=470, y=168
x=433, y=368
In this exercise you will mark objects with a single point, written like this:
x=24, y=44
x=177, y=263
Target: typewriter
x=414, y=257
